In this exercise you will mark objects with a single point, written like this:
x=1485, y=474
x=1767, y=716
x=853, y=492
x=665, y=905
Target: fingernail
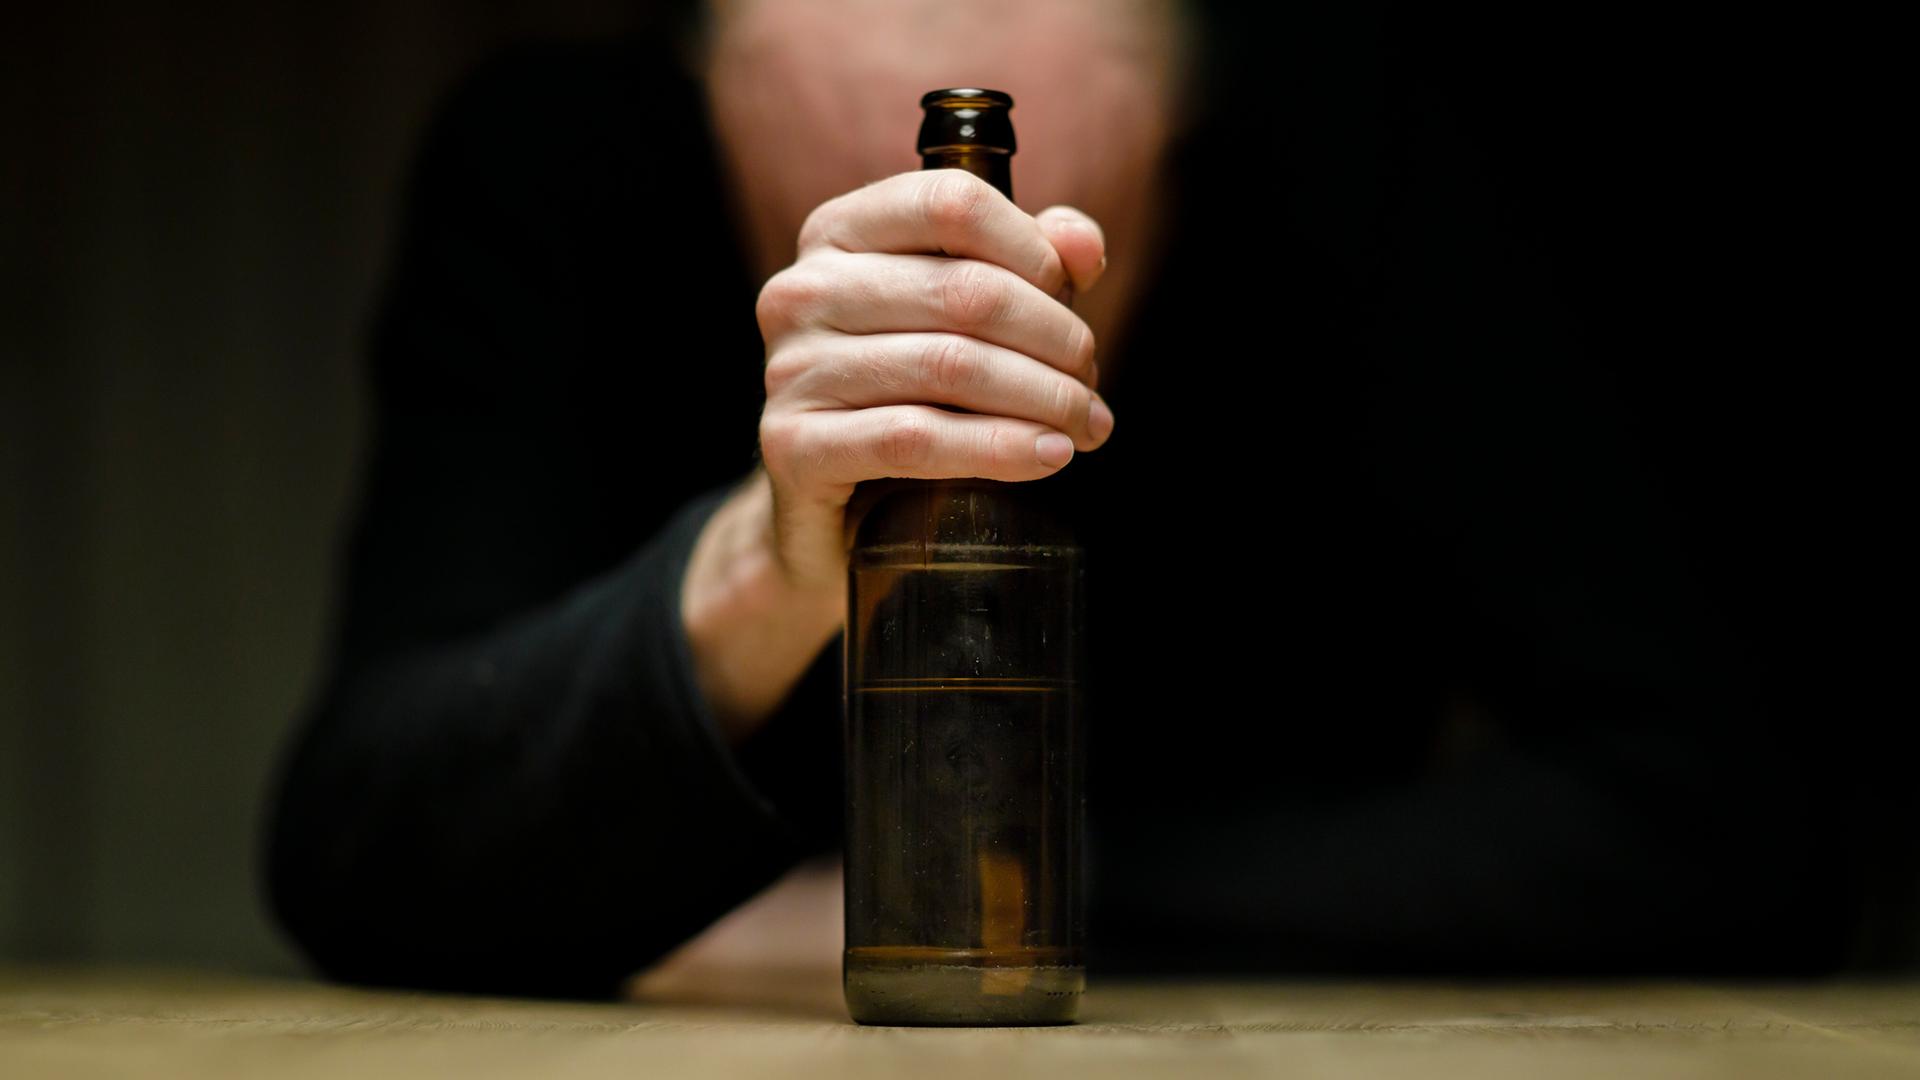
x=1099, y=419
x=1053, y=449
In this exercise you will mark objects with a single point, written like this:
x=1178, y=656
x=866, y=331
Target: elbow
x=367, y=909
x=311, y=895
x=319, y=876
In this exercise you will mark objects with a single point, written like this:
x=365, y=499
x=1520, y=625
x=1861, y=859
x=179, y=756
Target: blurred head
x=817, y=97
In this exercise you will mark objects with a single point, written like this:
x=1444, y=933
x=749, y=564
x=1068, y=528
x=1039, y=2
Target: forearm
x=752, y=633
x=536, y=809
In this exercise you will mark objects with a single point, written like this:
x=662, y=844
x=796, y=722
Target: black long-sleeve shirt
x=1392, y=666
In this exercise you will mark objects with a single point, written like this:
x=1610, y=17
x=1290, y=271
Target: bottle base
x=924, y=987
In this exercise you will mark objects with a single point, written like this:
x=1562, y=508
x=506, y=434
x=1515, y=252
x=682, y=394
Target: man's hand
x=912, y=297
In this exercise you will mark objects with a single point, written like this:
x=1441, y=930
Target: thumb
x=1081, y=244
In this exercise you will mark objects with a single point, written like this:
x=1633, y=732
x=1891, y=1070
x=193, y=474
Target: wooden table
x=758, y=994
x=790, y=1023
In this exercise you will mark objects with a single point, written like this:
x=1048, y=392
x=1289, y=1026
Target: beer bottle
x=964, y=879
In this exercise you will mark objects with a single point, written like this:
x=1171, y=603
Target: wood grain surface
x=758, y=994
x=790, y=1023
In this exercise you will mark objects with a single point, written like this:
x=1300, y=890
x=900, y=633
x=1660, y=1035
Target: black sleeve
x=510, y=781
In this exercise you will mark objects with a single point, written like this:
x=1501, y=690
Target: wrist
x=752, y=631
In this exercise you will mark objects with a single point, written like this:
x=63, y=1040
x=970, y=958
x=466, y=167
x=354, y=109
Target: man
x=1390, y=668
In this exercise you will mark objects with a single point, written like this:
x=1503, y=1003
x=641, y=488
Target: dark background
x=196, y=216
x=197, y=210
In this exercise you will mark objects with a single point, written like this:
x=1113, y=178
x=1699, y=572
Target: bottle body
x=964, y=746
x=965, y=760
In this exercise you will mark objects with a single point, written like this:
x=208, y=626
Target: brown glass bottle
x=965, y=757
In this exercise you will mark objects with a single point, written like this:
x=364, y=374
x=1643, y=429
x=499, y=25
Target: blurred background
x=196, y=218
x=196, y=215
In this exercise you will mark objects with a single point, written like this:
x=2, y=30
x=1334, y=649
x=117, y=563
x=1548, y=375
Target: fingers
x=833, y=371
x=924, y=333
x=917, y=441
x=938, y=212
x=878, y=294
x=1079, y=241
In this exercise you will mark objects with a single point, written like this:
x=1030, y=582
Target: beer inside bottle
x=963, y=738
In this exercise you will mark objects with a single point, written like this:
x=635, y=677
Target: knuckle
x=784, y=368
x=1071, y=402
x=783, y=298
x=970, y=295
x=951, y=365
x=1080, y=350
x=997, y=451
x=906, y=441
x=953, y=201
x=778, y=437
x=818, y=226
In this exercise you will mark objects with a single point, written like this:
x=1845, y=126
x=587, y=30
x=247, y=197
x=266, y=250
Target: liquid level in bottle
x=962, y=857
x=922, y=985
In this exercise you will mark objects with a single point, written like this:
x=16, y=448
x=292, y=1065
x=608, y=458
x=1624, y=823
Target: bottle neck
x=993, y=166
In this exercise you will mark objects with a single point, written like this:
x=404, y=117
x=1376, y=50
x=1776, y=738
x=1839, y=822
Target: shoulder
x=559, y=126
x=566, y=245
x=550, y=167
